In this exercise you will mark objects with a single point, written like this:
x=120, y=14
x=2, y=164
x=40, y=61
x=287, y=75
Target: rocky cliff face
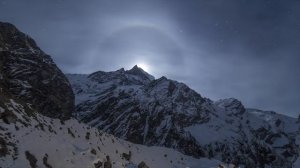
x=30, y=75
x=163, y=112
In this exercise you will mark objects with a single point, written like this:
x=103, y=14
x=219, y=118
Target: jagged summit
x=135, y=70
x=135, y=67
x=231, y=105
x=121, y=70
x=11, y=39
x=135, y=75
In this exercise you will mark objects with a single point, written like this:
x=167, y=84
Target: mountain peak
x=231, y=104
x=135, y=66
x=135, y=70
x=13, y=39
x=120, y=70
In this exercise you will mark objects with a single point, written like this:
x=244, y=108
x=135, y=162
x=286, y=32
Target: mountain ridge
x=164, y=112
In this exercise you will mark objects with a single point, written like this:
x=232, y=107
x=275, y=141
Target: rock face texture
x=31, y=76
x=134, y=106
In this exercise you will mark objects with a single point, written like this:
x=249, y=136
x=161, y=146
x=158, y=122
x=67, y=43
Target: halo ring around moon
x=141, y=43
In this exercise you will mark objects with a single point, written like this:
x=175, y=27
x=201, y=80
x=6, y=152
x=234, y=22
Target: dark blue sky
x=247, y=49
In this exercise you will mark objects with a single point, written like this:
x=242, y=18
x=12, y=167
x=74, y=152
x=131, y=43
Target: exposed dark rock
x=127, y=156
x=8, y=117
x=45, y=161
x=87, y=135
x=31, y=158
x=220, y=166
x=28, y=74
x=232, y=106
x=93, y=151
x=142, y=165
x=98, y=164
x=3, y=147
x=278, y=122
x=71, y=133
x=107, y=163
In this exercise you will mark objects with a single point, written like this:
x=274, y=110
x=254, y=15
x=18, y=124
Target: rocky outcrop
x=31, y=158
x=142, y=165
x=232, y=106
x=107, y=163
x=31, y=76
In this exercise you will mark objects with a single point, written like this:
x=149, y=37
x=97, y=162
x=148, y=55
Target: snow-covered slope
x=164, y=112
x=46, y=142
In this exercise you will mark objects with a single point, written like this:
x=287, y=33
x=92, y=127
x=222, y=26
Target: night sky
x=247, y=49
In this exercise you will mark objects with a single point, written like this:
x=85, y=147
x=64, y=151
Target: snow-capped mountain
x=36, y=103
x=163, y=112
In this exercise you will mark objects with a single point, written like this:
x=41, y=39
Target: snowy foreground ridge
x=40, y=141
